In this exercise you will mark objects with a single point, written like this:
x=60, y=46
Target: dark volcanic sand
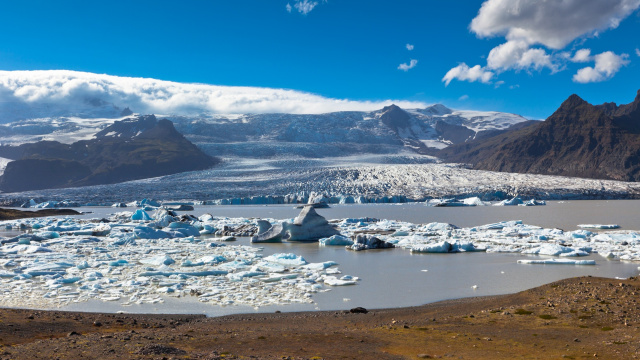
x=572, y=319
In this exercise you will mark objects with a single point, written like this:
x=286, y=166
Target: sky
x=519, y=56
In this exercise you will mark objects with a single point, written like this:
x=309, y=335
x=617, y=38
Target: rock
x=308, y=226
x=358, y=310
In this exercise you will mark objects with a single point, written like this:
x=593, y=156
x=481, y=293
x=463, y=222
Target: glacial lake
x=397, y=278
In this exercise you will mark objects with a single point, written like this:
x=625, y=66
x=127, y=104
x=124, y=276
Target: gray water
x=564, y=215
x=395, y=277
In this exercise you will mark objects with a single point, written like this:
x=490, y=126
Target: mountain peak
x=572, y=102
x=129, y=127
x=395, y=118
x=438, y=109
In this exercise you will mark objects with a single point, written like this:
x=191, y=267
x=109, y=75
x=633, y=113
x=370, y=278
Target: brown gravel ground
x=570, y=319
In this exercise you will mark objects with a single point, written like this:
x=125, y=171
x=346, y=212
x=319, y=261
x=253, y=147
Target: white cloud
x=410, y=47
x=409, y=66
x=498, y=84
x=70, y=92
x=606, y=66
x=582, y=55
x=552, y=23
x=463, y=97
x=463, y=72
x=637, y=51
x=303, y=6
x=288, y=7
x=516, y=55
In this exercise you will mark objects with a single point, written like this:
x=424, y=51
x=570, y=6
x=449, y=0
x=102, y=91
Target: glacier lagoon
x=556, y=214
x=396, y=277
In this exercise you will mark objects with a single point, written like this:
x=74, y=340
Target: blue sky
x=345, y=49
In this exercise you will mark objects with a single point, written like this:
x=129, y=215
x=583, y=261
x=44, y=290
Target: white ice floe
x=136, y=262
x=598, y=226
x=558, y=262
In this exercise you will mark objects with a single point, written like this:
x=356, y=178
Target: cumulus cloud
x=410, y=47
x=69, y=92
x=463, y=72
x=527, y=25
x=553, y=23
x=606, y=66
x=516, y=55
x=288, y=7
x=582, y=55
x=463, y=97
x=409, y=66
x=637, y=51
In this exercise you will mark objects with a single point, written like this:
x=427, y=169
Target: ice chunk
x=598, y=226
x=335, y=240
x=183, y=228
x=552, y=249
x=510, y=202
x=289, y=259
x=334, y=281
x=366, y=242
x=440, y=247
x=145, y=232
x=308, y=226
x=141, y=215
x=268, y=233
x=533, y=202
x=558, y=262
x=158, y=260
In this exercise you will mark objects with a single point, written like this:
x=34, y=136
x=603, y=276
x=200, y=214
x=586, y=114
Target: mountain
x=578, y=139
x=390, y=130
x=134, y=148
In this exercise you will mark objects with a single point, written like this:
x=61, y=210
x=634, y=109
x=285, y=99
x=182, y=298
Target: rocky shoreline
x=573, y=318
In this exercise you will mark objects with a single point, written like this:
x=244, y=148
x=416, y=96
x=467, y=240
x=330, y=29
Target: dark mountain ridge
x=578, y=139
x=134, y=148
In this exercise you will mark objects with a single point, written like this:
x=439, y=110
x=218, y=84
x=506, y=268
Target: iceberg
x=308, y=226
x=598, y=226
x=268, y=233
x=367, y=242
x=533, y=202
x=510, y=202
x=337, y=240
x=141, y=215
x=441, y=247
x=557, y=262
x=289, y=259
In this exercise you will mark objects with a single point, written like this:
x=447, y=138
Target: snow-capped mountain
x=69, y=106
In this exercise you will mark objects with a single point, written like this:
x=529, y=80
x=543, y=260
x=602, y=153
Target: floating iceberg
x=268, y=233
x=557, y=262
x=367, y=242
x=308, y=226
x=141, y=215
x=598, y=226
x=337, y=240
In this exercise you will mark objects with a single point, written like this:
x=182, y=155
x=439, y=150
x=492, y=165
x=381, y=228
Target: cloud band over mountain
x=67, y=92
